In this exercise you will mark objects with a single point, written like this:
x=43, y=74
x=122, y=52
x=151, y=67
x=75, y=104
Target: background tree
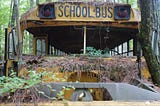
x=4, y=19
x=149, y=29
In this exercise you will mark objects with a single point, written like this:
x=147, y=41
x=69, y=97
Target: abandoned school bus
x=67, y=29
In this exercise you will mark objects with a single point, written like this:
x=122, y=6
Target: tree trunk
x=148, y=26
x=127, y=1
x=37, y=1
x=31, y=3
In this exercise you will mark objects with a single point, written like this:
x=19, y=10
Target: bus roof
x=108, y=25
x=78, y=13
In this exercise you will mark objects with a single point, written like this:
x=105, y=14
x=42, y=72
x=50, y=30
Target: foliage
x=93, y=52
x=28, y=83
x=12, y=83
x=4, y=19
x=27, y=43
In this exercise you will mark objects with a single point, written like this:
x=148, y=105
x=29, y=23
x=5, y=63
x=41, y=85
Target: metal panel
x=118, y=91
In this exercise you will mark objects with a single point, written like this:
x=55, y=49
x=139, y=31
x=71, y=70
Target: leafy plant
x=12, y=83
x=20, y=87
x=94, y=52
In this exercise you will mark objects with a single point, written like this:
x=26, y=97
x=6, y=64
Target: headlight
x=46, y=11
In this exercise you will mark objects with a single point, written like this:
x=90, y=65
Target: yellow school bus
x=65, y=28
x=99, y=24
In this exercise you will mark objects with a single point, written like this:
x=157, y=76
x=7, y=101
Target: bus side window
x=12, y=45
x=41, y=46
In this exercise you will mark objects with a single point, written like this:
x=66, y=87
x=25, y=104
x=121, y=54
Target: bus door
x=10, y=56
x=41, y=45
